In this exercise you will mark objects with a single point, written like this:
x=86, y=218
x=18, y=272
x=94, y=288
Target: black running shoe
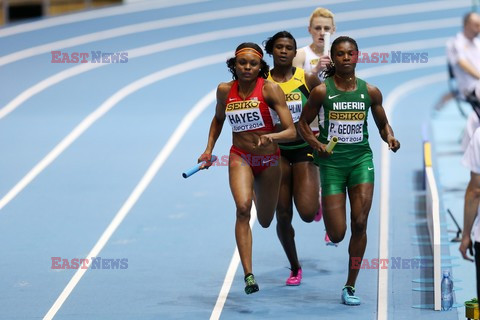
x=251, y=285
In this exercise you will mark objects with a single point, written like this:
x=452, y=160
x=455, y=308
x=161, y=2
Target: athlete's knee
x=336, y=236
x=307, y=215
x=284, y=215
x=243, y=211
x=307, y=207
x=307, y=218
x=264, y=222
x=359, y=225
x=285, y=229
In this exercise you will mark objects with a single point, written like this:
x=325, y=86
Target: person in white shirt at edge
x=471, y=159
x=463, y=53
x=473, y=122
x=312, y=59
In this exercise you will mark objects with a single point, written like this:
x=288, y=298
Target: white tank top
x=311, y=60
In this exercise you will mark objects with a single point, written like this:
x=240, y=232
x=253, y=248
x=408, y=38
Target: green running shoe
x=348, y=296
x=251, y=285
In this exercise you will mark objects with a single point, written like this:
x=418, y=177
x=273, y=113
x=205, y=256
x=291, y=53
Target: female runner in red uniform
x=246, y=103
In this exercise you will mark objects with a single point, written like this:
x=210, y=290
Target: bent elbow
x=472, y=194
x=476, y=192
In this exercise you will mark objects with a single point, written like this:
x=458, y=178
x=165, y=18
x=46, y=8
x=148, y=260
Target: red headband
x=248, y=50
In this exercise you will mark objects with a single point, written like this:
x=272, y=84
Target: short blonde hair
x=321, y=12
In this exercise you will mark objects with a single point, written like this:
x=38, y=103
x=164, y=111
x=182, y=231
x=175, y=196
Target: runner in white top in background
x=312, y=58
x=315, y=57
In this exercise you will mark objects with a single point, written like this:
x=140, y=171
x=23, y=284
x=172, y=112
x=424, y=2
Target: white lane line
x=44, y=84
x=406, y=9
x=228, y=13
x=83, y=68
x=106, y=12
x=149, y=174
x=387, y=30
x=201, y=38
x=232, y=269
x=392, y=68
x=101, y=111
x=160, y=24
x=383, y=250
x=410, y=45
x=133, y=53
x=92, y=14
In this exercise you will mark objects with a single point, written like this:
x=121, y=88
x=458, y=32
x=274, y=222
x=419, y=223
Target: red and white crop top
x=250, y=114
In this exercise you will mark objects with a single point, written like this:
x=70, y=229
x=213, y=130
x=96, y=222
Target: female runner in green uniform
x=299, y=174
x=343, y=102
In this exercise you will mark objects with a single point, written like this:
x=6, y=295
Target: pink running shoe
x=295, y=280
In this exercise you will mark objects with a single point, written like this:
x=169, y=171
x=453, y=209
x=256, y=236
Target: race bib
x=294, y=102
x=347, y=126
x=244, y=115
